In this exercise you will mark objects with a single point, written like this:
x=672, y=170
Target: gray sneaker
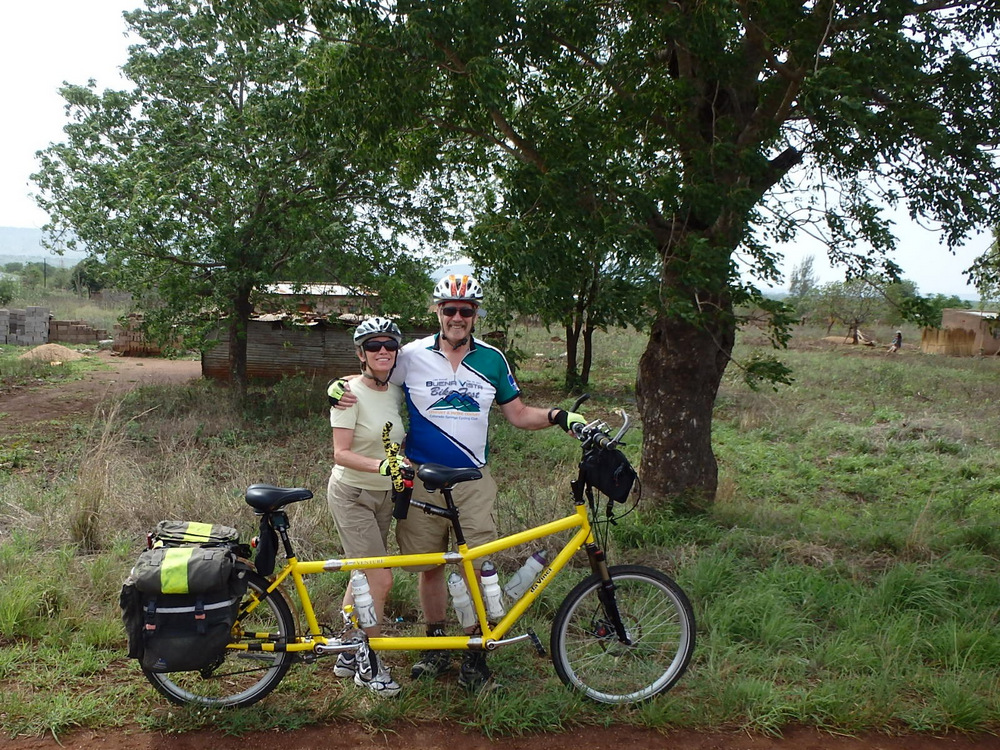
x=374, y=675
x=347, y=664
x=431, y=664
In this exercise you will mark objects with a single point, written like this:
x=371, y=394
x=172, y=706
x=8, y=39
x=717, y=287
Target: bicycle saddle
x=266, y=497
x=436, y=476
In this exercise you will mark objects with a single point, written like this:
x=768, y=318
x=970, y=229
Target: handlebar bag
x=608, y=471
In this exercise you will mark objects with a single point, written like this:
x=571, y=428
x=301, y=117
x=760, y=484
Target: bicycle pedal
x=537, y=643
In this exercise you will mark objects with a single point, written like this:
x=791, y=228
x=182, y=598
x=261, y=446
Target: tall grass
x=848, y=576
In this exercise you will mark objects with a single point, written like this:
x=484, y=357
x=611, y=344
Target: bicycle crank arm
x=529, y=636
x=336, y=648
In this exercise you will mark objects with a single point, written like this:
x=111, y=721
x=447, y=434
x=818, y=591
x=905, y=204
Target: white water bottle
x=364, y=606
x=492, y=594
x=521, y=581
x=461, y=600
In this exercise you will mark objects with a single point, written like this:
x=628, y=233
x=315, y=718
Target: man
x=450, y=381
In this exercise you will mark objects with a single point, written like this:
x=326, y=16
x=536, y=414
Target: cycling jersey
x=449, y=409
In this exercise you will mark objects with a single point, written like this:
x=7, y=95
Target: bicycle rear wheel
x=659, y=623
x=242, y=677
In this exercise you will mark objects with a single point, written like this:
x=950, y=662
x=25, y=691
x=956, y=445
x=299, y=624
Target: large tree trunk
x=238, y=324
x=572, y=380
x=679, y=376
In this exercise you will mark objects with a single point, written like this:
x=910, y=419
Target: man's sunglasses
x=465, y=312
x=371, y=345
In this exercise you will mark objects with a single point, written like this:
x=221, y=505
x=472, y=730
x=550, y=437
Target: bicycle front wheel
x=242, y=677
x=660, y=633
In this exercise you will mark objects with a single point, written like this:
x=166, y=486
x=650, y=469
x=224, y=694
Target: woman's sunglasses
x=371, y=345
x=465, y=312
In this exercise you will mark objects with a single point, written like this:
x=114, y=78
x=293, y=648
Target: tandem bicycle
x=624, y=634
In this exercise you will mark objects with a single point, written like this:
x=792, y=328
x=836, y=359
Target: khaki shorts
x=420, y=532
x=362, y=516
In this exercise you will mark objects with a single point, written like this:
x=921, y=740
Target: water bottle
x=364, y=606
x=461, y=600
x=521, y=581
x=491, y=591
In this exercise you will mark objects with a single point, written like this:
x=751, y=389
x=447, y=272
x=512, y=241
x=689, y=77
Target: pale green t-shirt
x=367, y=418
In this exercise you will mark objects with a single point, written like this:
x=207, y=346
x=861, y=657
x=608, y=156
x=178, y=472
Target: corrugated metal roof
x=319, y=290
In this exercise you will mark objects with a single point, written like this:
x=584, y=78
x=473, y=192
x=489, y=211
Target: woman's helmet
x=373, y=327
x=458, y=288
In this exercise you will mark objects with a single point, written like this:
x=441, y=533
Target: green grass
x=847, y=578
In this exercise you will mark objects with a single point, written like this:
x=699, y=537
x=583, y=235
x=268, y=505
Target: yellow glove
x=566, y=419
x=335, y=391
x=385, y=468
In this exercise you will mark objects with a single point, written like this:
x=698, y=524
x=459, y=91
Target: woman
x=360, y=489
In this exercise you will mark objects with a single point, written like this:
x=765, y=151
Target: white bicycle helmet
x=455, y=287
x=373, y=327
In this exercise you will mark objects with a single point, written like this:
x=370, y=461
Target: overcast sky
x=46, y=42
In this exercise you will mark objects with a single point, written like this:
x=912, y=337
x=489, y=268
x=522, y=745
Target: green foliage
x=195, y=186
x=664, y=147
x=8, y=290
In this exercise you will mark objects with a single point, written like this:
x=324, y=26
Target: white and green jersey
x=449, y=409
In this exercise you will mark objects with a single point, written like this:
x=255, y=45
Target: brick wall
x=28, y=327
x=74, y=332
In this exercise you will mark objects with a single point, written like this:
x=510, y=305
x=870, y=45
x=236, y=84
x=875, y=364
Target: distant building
x=320, y=299
x=963, y=333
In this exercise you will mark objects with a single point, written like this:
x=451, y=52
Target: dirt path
x=450, y=737
x=44, y=402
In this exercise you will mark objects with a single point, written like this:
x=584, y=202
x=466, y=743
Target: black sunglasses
x=465, y=312
x=371, y=345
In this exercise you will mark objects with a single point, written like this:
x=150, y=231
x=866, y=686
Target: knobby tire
x=660, y=627
x=243, y=677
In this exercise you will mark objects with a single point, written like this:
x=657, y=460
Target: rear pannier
x=182, y=597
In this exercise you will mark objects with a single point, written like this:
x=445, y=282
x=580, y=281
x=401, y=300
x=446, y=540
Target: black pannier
x=181, y=600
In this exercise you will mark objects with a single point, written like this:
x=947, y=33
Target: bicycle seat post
x=279, y=522
x=453, y=514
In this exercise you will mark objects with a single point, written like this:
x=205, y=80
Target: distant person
x=897, y=343
x=359, y=493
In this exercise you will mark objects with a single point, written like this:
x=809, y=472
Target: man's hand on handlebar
x=567, y=420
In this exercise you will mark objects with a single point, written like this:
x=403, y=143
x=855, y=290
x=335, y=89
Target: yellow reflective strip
x=198, y=532
x=174, y=570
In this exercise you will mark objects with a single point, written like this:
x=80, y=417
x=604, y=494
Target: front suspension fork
x=606, y=591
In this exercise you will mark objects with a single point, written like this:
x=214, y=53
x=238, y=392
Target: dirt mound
x=51, y=353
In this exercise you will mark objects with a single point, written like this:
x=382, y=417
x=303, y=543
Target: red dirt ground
x=45, y=402
x=450, y=737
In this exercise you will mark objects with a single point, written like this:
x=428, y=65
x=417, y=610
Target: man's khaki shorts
x=420, y=532
x=362, y=516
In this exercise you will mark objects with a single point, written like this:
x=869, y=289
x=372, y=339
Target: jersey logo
x=455, y=401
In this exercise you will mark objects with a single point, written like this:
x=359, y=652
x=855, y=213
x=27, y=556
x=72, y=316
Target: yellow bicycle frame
x=465, y=556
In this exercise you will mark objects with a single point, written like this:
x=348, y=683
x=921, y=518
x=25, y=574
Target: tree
x=802, y=286
x=8, y=291
x=985, y=274
x=581, y=279
x=196, y=187
x=707, y=129
x=852, y=304
x=89, y=276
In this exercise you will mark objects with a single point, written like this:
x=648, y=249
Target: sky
x=46, y=42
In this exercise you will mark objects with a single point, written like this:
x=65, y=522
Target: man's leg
x=434, y=603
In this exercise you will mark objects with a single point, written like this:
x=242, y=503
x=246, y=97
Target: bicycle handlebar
x=597, y=433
